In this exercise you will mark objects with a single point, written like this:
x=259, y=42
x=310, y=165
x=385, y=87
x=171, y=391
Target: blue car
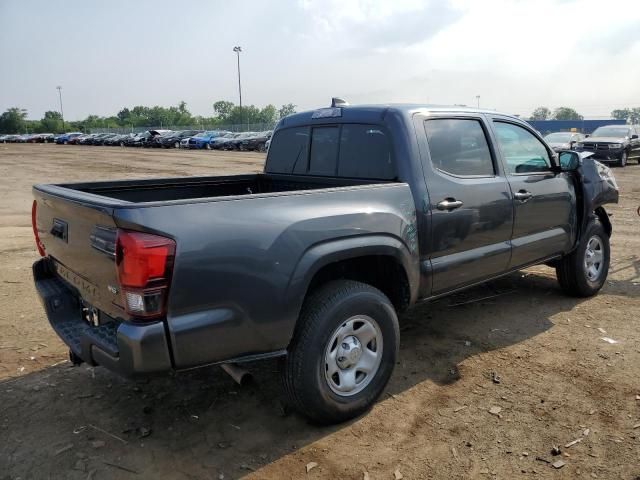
x=65, y=137
x=203, y=140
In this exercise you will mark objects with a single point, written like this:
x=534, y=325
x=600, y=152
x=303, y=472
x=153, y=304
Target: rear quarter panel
x=242, y=265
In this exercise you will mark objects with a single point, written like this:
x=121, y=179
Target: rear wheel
x=343, y=351
x=583, y=272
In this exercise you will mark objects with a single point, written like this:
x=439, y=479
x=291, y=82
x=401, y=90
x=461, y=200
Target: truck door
x=470, y=203
x=544, y=201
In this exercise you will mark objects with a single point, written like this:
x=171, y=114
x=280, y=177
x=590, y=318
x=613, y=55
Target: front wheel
x=583, y=272
x=343, y=351
x=623, y=159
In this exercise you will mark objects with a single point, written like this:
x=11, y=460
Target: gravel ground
x=515, y=347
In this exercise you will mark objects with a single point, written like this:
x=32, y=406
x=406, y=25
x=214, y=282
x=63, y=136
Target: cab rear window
x=344, y=150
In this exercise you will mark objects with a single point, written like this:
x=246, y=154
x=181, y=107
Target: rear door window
x=459, y=147
x=365, y=152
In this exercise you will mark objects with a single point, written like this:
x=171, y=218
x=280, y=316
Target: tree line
x=560, y=113
x=631, y=115
x=14, y=120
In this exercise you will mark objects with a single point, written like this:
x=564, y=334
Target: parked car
x=11, y=138
x=65, y=137
x=235, y=143
x=77, y=140
x=41, y=138
x=563, y=140
x=400, y=204
x=173, y=140
x=217, y=142
x=24, y=138
x=86, y=139
x=613, y=143
x=155, y=141
x=150, y=141
x=116, y=140
x=256, y=142
x=104, y=140
x=136, y=139
x=203, y=139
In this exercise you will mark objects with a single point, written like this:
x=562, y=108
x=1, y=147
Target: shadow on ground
x=67, y=422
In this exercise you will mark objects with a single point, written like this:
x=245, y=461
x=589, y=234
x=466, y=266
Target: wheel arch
x=382, y=261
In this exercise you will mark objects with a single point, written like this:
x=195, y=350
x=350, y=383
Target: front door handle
x=449, y=204
x=522, y=195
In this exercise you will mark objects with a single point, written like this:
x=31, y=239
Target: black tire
x=623, y=159
x=572, y=271
x=323, y=313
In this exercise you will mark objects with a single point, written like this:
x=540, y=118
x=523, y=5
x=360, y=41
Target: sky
x=515, y=54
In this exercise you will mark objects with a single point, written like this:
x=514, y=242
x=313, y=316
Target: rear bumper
x=123, y=347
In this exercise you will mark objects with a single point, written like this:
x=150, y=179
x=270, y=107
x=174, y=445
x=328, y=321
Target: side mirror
x=569, y=161
x=634, y=136
x=587, y=135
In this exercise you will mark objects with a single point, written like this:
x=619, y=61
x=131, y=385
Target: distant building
x=583, y=126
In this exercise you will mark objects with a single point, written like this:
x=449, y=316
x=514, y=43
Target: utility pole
x=478, y=100
x=237, y=50
x=61, y=111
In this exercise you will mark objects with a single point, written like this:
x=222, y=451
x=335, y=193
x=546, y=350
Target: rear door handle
x=449, y=204
x=522, y=195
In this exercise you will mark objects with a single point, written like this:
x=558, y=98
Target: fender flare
x=326, y=253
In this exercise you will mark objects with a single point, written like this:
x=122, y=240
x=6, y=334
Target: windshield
x=558, y=137
x=610, y=132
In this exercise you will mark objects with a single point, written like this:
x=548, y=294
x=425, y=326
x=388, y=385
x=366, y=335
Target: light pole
x=61, y=112
x=478, y=100
x=237, y=50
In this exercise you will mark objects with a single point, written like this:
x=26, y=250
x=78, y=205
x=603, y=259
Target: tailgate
x=79, y=238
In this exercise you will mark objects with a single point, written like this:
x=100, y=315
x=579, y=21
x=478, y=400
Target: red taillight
x=39, y=245
x=144, y=264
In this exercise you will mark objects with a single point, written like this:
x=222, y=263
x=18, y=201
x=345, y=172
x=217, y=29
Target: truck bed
x=159, y=190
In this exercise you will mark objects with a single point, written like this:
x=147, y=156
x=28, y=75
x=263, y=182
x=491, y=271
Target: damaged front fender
x=598, y=187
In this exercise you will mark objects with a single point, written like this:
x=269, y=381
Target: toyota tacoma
x=360, y=212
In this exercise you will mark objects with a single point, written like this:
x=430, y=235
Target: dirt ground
x=517, y=344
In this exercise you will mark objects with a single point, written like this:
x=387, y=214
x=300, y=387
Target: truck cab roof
x=375, y=113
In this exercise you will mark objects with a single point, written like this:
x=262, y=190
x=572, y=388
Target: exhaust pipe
x=239, y=374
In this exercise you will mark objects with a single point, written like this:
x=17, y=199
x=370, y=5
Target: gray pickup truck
x=361, y=212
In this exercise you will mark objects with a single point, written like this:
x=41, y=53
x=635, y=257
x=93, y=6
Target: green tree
x=285, y=110
x=223, y=109
x=634, y=116
x=51, y=122
x=268, y=114
x=621, y=114
x=541, y=113
x=13, y=120
x=566, y=113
